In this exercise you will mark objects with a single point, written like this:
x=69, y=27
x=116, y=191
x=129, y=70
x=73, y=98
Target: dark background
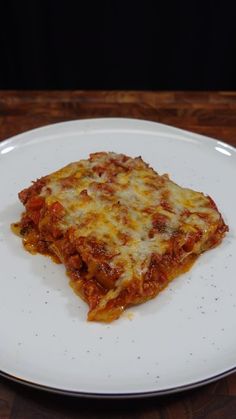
x=154, y=45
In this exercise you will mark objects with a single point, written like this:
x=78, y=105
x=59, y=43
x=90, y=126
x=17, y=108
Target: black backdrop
x=113, y=44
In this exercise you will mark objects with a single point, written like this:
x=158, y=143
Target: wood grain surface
x=208, y=113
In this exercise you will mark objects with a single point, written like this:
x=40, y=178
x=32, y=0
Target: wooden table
x=212, y=114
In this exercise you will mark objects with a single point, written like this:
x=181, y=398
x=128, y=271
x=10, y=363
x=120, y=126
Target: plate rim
x=118, y=119
x=131, y=395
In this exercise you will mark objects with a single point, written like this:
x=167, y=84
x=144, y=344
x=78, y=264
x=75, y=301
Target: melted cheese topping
x=131, y=210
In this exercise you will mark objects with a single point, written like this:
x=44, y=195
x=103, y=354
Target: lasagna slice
x=121, y=230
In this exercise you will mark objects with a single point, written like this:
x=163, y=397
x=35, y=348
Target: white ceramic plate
x=183, y=338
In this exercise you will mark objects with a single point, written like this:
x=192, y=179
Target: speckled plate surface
x=183, y=338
